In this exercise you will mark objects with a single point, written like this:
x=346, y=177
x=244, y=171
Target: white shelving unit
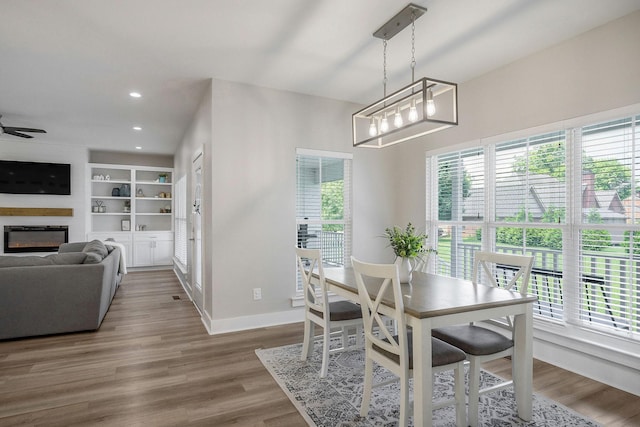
x=134, y=206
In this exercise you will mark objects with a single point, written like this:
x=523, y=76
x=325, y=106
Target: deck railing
x=597, y=305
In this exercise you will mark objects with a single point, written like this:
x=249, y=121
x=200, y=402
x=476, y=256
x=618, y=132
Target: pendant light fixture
x=429, y=105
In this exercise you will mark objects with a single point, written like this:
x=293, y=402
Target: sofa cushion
x=95, y=247
x=53, y=259
x=67, y=258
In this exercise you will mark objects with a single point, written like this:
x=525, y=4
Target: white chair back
x=385, y=278
x=309, y=260
x=505, y=271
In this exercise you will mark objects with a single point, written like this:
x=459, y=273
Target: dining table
x=432, y=301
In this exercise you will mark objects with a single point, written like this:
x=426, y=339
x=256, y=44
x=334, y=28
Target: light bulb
x=413, y=112
x=397, y=120
x=373, y=131
x=431, y=106
x=384, y=124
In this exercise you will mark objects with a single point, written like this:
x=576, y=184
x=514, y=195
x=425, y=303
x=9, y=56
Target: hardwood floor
x=152, y=363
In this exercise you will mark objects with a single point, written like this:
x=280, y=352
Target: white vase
x=405, y=270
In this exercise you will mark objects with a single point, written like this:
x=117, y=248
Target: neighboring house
x=632, y=213
x=537, y=194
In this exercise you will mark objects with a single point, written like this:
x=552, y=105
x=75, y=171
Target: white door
x=196, y=240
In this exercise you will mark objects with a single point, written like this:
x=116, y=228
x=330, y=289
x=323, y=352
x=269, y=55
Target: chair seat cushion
x=474, y=340
x=341, y=310
x=441, y=352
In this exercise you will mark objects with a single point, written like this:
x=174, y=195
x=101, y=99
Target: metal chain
x=413, y=46
x=384, y=66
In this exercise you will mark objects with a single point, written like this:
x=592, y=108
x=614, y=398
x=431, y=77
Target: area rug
x=335, y=400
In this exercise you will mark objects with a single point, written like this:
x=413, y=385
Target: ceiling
x=68, y=65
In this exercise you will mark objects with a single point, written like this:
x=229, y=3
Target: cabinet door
x=143, y=253
x=163, y=252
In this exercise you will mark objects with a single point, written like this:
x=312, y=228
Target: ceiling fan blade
x=16, y=133
x=9, y=129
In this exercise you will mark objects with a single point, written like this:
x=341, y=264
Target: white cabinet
x=152, y=249
x=134, y=206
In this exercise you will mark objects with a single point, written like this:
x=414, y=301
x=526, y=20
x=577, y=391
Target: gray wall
x=250, y=135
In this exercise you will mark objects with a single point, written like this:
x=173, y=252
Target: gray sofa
x=65, y=292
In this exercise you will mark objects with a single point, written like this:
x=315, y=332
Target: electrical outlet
x=257, y=293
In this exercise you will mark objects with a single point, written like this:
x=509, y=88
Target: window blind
x=569, y=197
x=323, y=206
x=180, y=221
x=609, y=260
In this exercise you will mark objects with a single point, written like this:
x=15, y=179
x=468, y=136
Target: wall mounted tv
x=34, y=178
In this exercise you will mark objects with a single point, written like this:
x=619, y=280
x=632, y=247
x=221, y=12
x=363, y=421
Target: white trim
x=323, y=153
x=234, y=324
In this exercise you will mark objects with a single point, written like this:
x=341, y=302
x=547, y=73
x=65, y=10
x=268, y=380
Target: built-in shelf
x=146, y=228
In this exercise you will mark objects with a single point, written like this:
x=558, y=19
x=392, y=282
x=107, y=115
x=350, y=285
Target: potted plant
x=407, y=245
x=162, y=177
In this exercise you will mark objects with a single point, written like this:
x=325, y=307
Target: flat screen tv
x=34, y=178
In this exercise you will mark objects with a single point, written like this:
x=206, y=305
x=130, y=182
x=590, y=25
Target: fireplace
x=24, y=238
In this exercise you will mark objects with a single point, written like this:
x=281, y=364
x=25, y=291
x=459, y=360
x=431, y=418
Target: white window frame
x=346, y=221
x=181, y=223
x=570, y=332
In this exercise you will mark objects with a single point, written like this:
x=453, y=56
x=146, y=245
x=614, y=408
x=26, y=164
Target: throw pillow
x=96, y=247
x=93, y=258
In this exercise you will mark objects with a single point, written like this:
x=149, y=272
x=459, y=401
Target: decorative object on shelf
x=166, y=209
x=127, y=206
x=115, y=192
x=107, y=178
x=419, y=99
x=140, y=193
x=101, y=207
x=163, y=177
x=95, y=208
x=406, y=245
x=125, y=190
x=125, y=225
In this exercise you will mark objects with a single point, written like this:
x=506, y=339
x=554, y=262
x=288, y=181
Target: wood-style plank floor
x=152, y=363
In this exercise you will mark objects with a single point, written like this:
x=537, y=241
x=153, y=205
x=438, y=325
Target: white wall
x=38, y=150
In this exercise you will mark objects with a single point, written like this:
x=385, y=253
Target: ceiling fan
x=15, y=131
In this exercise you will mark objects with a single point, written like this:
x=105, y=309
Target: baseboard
x=234, y=324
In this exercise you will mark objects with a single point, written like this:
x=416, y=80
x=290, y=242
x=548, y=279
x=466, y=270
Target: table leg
x=523, y=362
x=422, y=373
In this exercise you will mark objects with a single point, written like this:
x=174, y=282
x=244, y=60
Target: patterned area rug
x=335, y=400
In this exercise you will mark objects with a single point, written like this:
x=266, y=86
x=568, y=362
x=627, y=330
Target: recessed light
x=138, y=148
x=135, y=94
x=137, y=128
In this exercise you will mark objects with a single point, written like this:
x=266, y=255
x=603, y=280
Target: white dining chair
x=481, y=344
x=319, y=311
x=395, y=352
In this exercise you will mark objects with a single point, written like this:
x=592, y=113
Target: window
x=570, y=198
x=323, y=205
x=180, y=225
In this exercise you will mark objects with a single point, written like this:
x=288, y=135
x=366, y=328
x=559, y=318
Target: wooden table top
x=431, y=295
